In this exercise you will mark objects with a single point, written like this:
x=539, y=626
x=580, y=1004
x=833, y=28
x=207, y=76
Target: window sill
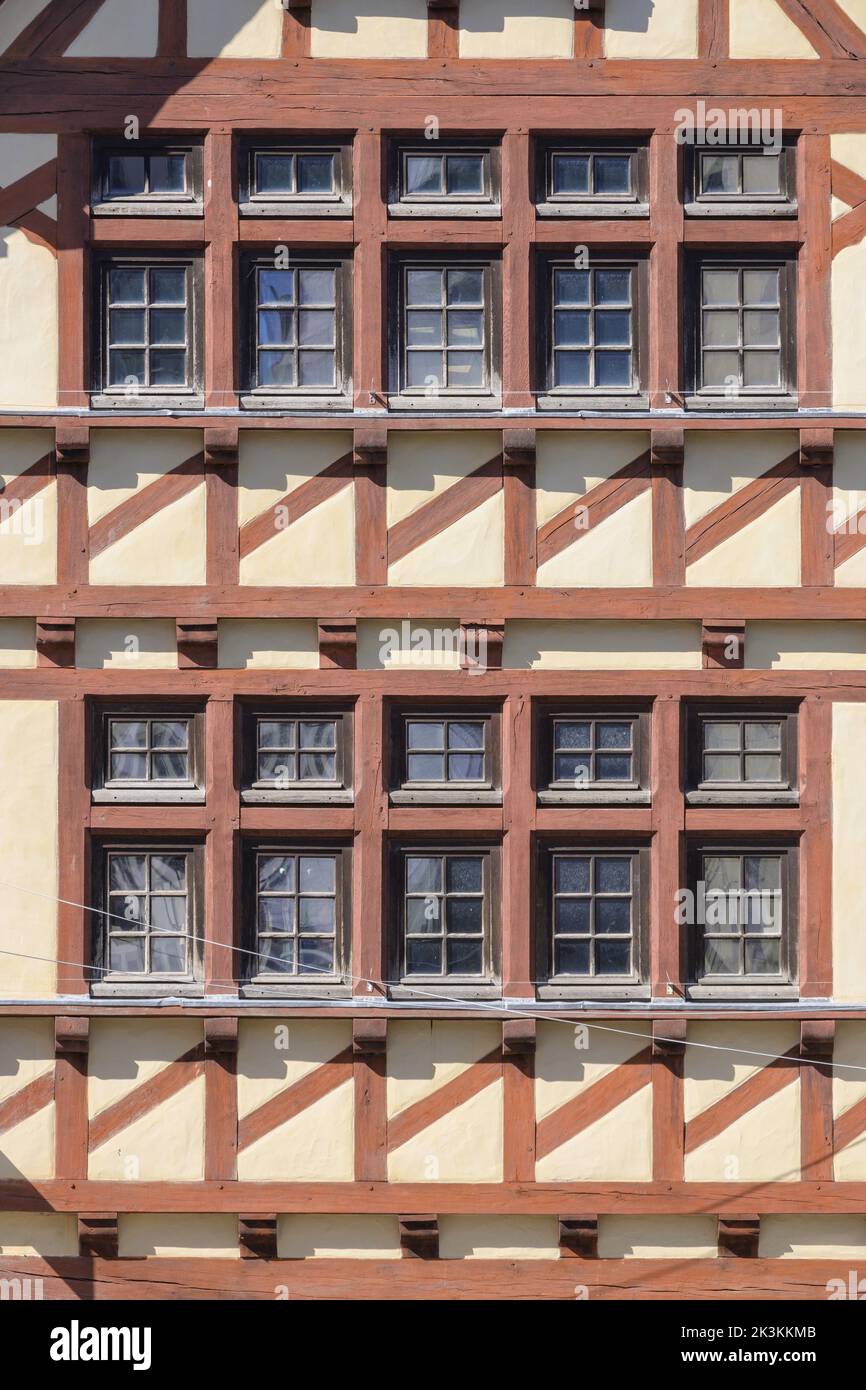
x=290, y=208
x=428, y=405
x=744, y=209
x=581, y=211
x=145, y=796
x=321, y=796
x=133, y=209
x=441, y=991
x=144, y=402
x=267, y=989
x=639, y=797
x=597, y=402
x=743, y=798
x=290, y=401
x=626, y=990
x=429, y=796
x=128, y=989
x=745, y=990
x=473, y=211
x=741, y=403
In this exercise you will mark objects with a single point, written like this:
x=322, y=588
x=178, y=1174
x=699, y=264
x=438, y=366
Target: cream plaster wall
x=761, y=29
x=849, y=851
x=26, y=1053
x=28, y=534
x=849, y=1086
x=657, y=1237
x=15, y=15
x=28, y=295
x=119, y=29
x=498, y=1238
x=806, y=646
x=512, y=29
x=849, y=495
x=388, y=643
x=268, y=644
x=28, y=847
x=369, y=29
x=349, y=1235
x=849, y=327
x=120, y=644
x=596, y=646
x=177, y=1235
x=234, y=29
x=41, y=1233
x=808, y=1237
x=651, y=29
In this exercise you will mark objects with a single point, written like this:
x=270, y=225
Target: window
x=147, y=180
x=592, y=181
x=743, y=332
x=741, y=181
x=594, y=755
x=594, y=917
x=299, y=896
x=744, y=906
x=147, y=936
x=592, y=338
x=444, y=180
x=445, y=916
x=148, y=328
x=299, y=333
x=449, y=756
x=148, y=755
x=742, y=755
x=444, y=352
x=304, y=180
x=294, y=755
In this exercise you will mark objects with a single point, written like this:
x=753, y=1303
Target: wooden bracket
x=816, y=447
x=481, y=645
x=338, y=644
x=257, y=1237
x=817, y=1037
x=71, y=1034
x=578, y=1237
x=371, y=439
x=55, y=642
x=723, y=644
x=196, y=644
x=97, y=1234
x=518, y=446
x=518, y=1037
x=667, y=448
x=221, y=444
x=419, y=1237
x=220, y=1036
x=72, y=443
x=739, y=1236
x=669, y=1037
x=369, y=1037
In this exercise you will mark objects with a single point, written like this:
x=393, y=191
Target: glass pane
x=317, y=287
x=127, y=912
x=763, y=957
x=613, y=369
x=612, y=957
x=167, y=367
x=169, y=733
x=613, y=287
x=167, y=954
x=761, y=328
x=613, y=767
x=168, y=914
x=721, y=368
x=276, y=326
x=465, y=286
x=315, y=173
x=126, y=286
x=719, y=173
x=721, y=286
x=613, y=915
x=273, y=173
x=168, y=285
x=277, y=733
x=321, y=734
x=316, y=368
x=465, y=915
x=425, y=369
x=424, y=916
x=318, y=767
x=764, y=735
x=168, y=326
x=128, y=767
x=465, y=174
x=761, y=173
x=466, y=369
x=126, y=326
x=425, y=735
x=466, y=735
x=276, y=765
x=571, y=328
x=278, y=954
x=573, y=767
x=612, y=875
x=316, y=957
x=464, y=957
x=316, y=914
x=167, y=173
x=612, y=173
x=167, y=871
x=276, y=914
x=426, y=767
x=463, y=875
x=721, y=873
x=760, y=287
x=721, y=328
x=571, y=287
x=722, y=767
x=721, y=957
x=466, y=767
x=571, y=369
x=128, y=733
x=721, y=735
x=571, y=875
x=465, y=328
x=423, y=874
x=126, y=366
x=170, y=767
x=276, y=873
x=572, y=916
x=276, y=286
x=423, y=957
x=317, y=874
x=763, y=767
x=425, y=328
x=570, y=173
x=126, y=871
x=125, y=175
x=126, y=954
x=424, y=174
x=762, y=368
x=613, y=735
x=276, y=369
x=612, y=327
x=578, y=735
x=763, y=871
x=423, y=287
x=571, y=958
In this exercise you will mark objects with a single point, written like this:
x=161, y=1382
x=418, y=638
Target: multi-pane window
x=148, y=917
x=736, y=177
x=589, y=751
x=148, y=328
x=445, y=914
x=592, y=329
x=446, y=750
x=743, y=752
x=592, y=176
x=298, y=898
x=445, y=330
x=742, y=325
x=155, y=179
x=741, y=917
x=296, y=332
x=296, y=180
x=450, y=180
x=594, y=915
x=148, y=750
x=294, y=752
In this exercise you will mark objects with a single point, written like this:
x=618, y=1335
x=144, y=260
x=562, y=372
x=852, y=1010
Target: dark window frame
x=403, y=204
x=549, y=203
x=632, y=986
x=702, y=792
x=760, y=986
x=124, y=984
x=264, y=984
x=187, y=204
x=402, y=396
x=190, y=396
x=753, y=397
x=339, y=397
x=700, y=204
x=254, y=790
x=552, y=397
x=106, y=790
x=483, y=986
x=404, y=791
x=336, y=204
x=553, y=792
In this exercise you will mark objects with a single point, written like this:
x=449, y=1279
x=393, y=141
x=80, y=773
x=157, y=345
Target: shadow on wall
x=631, y=16
x=479, y=16
x=341, y=16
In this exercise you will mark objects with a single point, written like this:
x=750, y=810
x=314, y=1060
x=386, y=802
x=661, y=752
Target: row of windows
x=445, y=331
x=443, y=177
x=289, y=752
x=591, y=923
